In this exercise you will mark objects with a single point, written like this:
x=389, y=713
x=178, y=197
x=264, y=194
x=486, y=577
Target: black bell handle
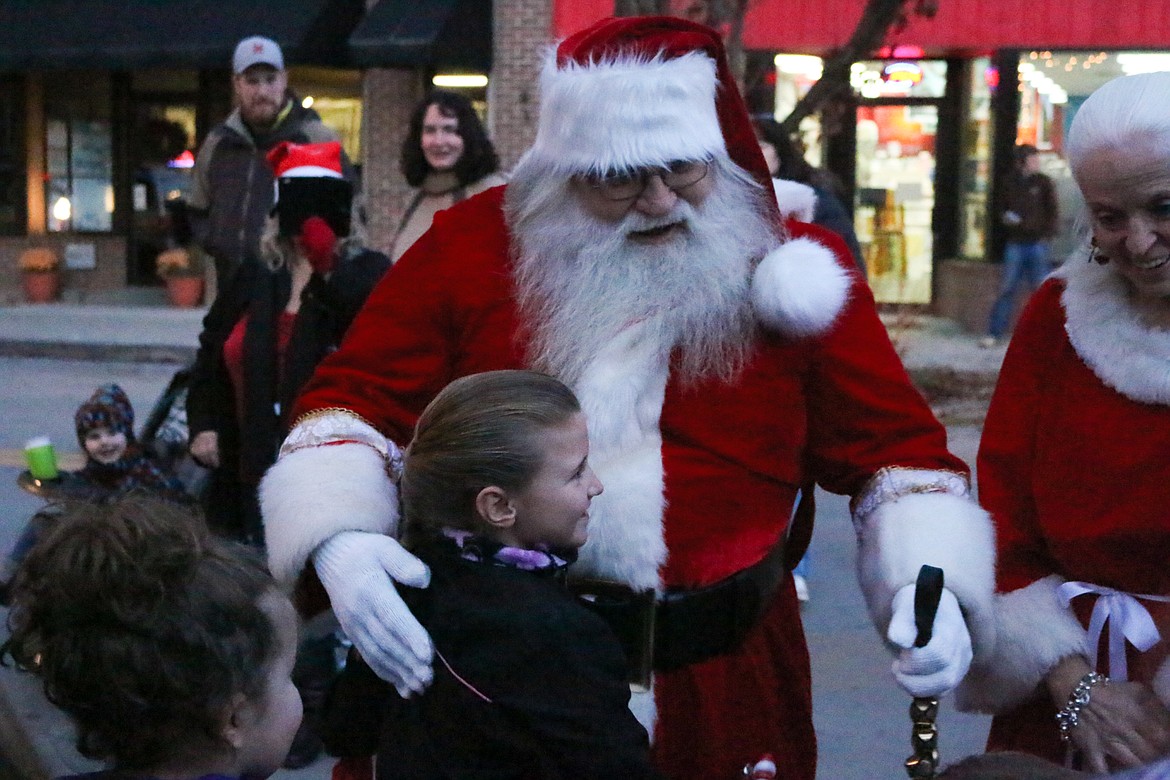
x=927, y=592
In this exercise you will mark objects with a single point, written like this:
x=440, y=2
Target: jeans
x=1025, y=260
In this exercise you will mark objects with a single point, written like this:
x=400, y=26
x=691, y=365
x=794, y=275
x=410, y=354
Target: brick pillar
x=388, y=98
x=522, y=33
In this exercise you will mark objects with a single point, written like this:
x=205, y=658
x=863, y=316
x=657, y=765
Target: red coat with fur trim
x=1072, y=467
x=836, y=408
x=713, y=480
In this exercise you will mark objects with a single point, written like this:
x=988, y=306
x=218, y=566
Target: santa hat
x=637, y=91
x=309, y=182
x=644, y=91
x=290, y=160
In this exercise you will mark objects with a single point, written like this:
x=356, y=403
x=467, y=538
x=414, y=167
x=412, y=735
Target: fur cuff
x=311, y=494
x=799, y=288
x=940, y=529
x=1034, y=631
x=796, y=201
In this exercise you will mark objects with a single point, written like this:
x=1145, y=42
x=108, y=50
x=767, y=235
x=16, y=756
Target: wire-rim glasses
x=627, y=185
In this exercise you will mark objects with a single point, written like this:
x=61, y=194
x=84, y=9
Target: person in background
x=232, y=190
x=169, y=649
x=1072, y=465
x=448, y=157
x=261, y=340
x=723, y=357
x=115, y=464
x=270, y=327
x=1030, y=217
x=787, y=164
x=496, y=488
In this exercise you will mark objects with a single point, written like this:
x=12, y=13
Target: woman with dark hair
x=447, y=156
x=787, y=164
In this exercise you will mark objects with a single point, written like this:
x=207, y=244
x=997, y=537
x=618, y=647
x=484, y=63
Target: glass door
x=895, y=198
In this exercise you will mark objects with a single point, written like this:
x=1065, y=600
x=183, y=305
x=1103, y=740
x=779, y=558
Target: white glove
x=940, y=666
x=358, y=570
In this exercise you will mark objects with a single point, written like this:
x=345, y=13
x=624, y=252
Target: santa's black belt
x=684, y=626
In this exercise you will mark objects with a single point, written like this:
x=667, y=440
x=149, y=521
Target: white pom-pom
x=796, y=201
x=799, y=288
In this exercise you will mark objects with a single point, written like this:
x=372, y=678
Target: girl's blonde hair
x=481, y=430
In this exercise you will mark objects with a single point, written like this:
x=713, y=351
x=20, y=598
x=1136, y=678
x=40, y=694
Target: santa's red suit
x=1071, y=468
x=712, y=474
x=700, y=475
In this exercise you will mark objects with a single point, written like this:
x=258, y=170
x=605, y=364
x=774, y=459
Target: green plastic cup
x=42, y=461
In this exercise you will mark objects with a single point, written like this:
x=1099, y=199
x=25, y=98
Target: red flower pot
x=41, y=286
x=185, y=291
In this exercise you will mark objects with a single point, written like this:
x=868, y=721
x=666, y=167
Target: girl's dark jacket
x=328, y=306
x=553, y=670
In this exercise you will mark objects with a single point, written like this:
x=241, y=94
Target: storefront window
x=79, y=154
x=977, y=144
x=899, y=78
x=335, y=95
x=895, y=198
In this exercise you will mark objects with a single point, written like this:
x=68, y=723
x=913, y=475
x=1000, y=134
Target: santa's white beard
x=581, y=281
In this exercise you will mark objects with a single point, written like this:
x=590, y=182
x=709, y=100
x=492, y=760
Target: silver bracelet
x=1070, y=716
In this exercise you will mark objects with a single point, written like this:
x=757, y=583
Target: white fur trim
x=941, y=529
x=626, y=113
x=1108, y=334
x=311, y=171
x=621, y=394
x=799, y=288
x=311, y=494
x=644, y=709
x=1034, y=631
x=796, y=201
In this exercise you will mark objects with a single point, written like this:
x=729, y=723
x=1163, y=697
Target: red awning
x=817, y=26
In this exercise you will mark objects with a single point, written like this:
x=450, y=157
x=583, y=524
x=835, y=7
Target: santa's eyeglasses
x=627, y=185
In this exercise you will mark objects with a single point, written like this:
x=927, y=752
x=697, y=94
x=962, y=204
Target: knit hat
x=108, y=407
x=642, y=91
x=309, y=182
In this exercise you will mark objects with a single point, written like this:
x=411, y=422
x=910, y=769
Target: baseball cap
x=257, y=50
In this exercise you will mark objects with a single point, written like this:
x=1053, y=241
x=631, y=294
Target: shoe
x=987, y=342
x=801, y=587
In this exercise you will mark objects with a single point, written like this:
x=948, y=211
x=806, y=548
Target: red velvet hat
x=636, y=91
x=290, y=160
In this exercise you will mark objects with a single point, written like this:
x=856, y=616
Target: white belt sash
x=1131, y=621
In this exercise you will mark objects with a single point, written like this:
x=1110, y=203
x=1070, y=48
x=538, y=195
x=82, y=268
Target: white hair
x=580, y=280
x=1119, y=112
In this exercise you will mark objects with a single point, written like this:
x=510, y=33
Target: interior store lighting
x=460, y=80
x=1132, y=62
x=805, y=65
x=307, y=102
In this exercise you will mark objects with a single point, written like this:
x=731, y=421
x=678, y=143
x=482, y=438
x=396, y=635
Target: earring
x=1095, y=254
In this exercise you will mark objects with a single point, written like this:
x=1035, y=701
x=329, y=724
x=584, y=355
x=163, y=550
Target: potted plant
x=41, y=275
x=182, y=270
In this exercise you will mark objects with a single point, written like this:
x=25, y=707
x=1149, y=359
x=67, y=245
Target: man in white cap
x=233, y=183
x=726, y=359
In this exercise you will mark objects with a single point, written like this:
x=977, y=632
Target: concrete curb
x=121, y=353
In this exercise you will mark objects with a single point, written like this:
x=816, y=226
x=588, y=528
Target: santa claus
x=724, y=357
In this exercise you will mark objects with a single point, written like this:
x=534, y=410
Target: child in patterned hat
x=114, y=461
x=115, y=464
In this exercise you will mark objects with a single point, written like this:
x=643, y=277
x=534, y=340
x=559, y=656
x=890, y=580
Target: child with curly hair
x=170, y=649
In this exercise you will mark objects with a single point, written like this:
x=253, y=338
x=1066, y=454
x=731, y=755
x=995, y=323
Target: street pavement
x=861, y=716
